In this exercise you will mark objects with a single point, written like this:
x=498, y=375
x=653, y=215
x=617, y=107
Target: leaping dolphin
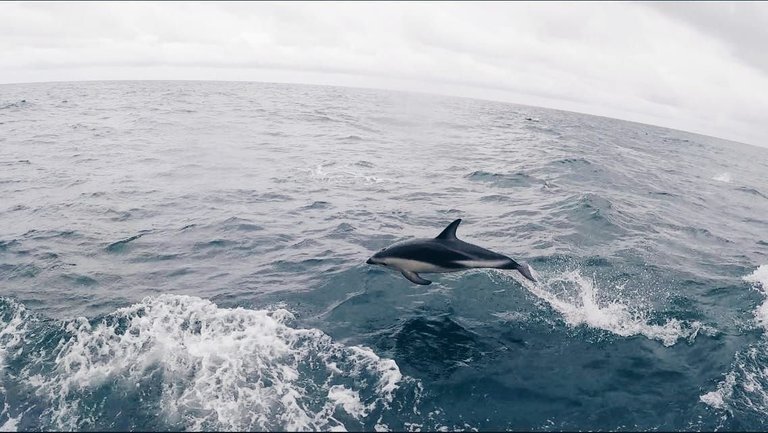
x=445, y=253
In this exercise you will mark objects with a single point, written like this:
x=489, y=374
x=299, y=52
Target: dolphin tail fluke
x=525, y=269
x=522, y=267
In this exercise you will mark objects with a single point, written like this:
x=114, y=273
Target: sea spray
x=582, y=306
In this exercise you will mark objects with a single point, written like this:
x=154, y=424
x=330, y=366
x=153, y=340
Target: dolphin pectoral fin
x=415, y=278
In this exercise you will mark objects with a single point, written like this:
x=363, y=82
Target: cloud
x=656, y=64
x=743, y=28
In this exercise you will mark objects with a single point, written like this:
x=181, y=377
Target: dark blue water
x=189, y=255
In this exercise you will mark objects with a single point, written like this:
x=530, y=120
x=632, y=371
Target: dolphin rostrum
x=445, y=253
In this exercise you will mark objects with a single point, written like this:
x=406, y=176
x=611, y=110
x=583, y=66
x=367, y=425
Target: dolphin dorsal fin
x=450, y=231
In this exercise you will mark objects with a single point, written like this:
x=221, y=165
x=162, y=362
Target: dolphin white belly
x=416, y=265
x=482, y=263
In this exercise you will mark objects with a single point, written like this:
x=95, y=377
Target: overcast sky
x=701, y=67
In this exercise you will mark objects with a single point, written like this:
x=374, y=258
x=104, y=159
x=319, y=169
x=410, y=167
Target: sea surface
x=191, y=255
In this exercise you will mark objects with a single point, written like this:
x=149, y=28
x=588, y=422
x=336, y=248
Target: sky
x=699, y=67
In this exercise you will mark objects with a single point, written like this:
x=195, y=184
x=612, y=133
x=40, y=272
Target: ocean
x=191, y=255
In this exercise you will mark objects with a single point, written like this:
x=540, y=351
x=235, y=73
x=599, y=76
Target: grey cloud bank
x=691, y=66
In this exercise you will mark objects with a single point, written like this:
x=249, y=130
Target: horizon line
x=417, y=92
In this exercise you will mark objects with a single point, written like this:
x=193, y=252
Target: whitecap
x=723, y=177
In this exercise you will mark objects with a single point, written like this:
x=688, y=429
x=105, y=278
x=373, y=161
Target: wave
x=201, y=366
x=723, y=177
x=18, y=104
x=759, y=280
x=751, y=191
x=346, y=174
x=576, y=163
x=13, y=327
x=743, y=392
x=506, y=180
x=579, y=304
x=592, y=212
x=745, y=387
x=120, y=245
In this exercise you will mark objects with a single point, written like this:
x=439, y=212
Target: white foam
x=723, y=177
x=584, y=308
x=12, y=331
x=749, y=372
x=511, y=316
x=348, y=399
x=10, y=425
x=759, y=279
x=745, y=387
x=343, y=175
x=724, y=391
x=219, y=368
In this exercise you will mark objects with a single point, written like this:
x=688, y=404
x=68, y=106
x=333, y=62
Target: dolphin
x=445, y=253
